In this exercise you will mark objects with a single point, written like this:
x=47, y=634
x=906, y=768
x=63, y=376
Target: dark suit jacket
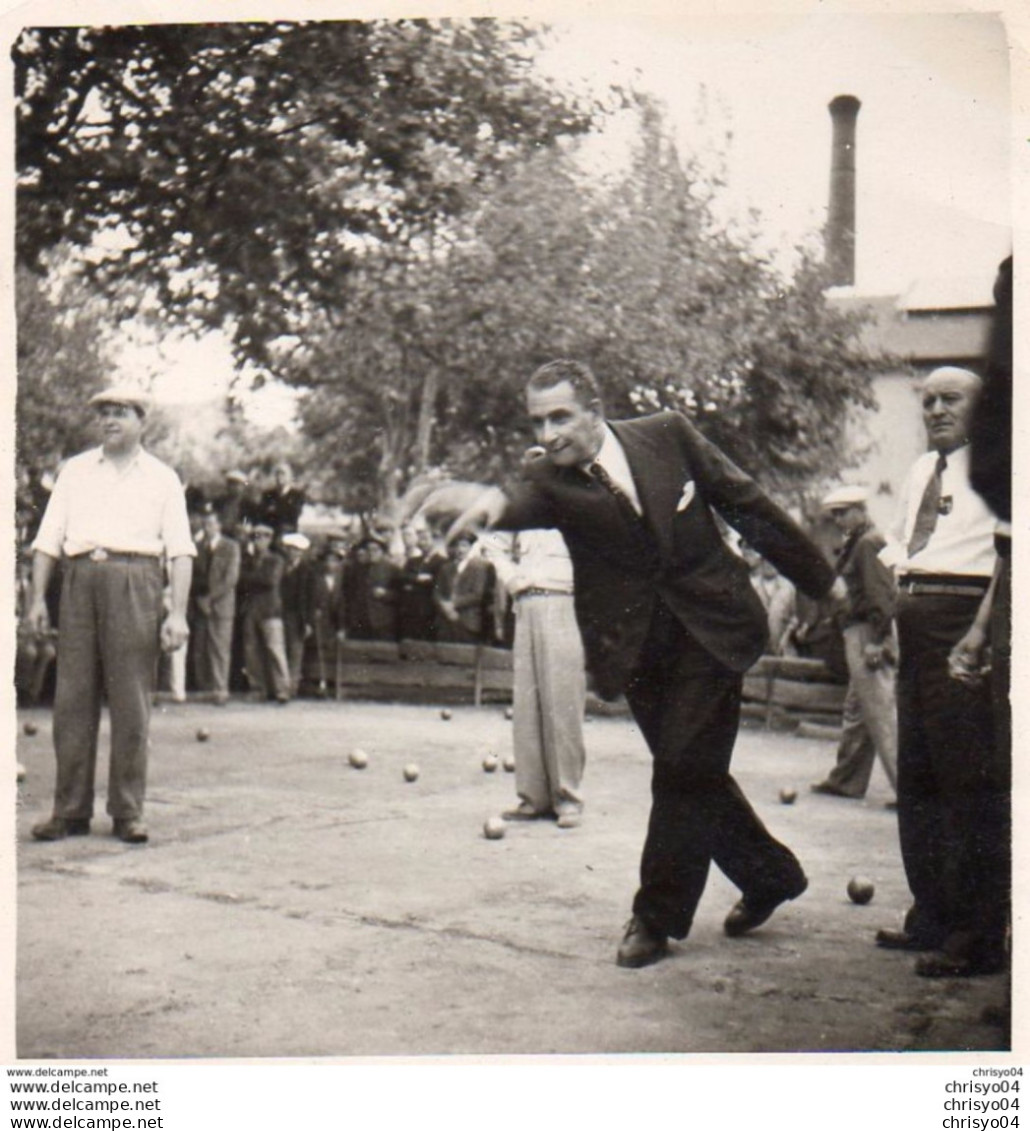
x=622, y=565
x=259, y=583
x=223, y=571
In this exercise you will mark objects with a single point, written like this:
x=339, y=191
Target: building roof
x=921, y=334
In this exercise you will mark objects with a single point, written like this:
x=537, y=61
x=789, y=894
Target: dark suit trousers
x=953, y=786
x=109, y=644
x=688, y=707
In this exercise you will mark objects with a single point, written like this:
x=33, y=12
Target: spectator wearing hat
x=296, y=594
x=115, y=516
x=326, y=609
x=216, y=575
x=463, y=594
x=866, y=623
x=233, y=505
x=264, y=637
x=415, y=610
x=281, y=504
x=382, y=587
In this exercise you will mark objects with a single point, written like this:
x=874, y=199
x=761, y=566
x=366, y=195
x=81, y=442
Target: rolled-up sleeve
x=50, y=536
x=175, y=523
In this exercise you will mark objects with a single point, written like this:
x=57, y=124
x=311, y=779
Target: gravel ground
x=289, y=905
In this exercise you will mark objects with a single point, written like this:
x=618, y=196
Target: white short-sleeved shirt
x=531, y=559
x=963, y=539
x=140, y=509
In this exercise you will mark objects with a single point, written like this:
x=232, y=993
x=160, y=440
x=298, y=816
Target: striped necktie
x=929, y=509
x=606, y=481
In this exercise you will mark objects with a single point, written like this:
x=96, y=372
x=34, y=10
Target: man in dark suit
x=217, y=572
x=669, y=617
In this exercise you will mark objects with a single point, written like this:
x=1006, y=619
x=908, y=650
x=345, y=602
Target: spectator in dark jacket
x=264, y=643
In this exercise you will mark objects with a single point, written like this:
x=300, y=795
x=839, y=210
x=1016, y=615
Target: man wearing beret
x=669, y=617
x=115, y=516
x=866, y=622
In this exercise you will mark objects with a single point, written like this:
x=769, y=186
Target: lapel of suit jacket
x=656, y=487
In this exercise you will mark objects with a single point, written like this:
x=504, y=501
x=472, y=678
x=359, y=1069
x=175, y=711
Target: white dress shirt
x=962, y=542
x=530, y=559
x=140, y=509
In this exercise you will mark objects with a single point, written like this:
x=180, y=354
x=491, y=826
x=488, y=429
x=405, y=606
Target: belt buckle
x=98, y=555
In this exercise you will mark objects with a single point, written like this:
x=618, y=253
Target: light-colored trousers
x=264, y=655
x=213, y=645
x=108, y=644
x=870, y=719
x=548, y=702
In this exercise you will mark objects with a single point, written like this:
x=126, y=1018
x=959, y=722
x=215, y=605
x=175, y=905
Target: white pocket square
x=686, y=498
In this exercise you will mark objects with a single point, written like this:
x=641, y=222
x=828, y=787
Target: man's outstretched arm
x=484, y=512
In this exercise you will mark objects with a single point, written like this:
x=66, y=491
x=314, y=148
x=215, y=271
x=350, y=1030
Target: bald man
x=953, y=781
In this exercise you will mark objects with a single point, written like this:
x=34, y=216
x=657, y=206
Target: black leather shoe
x=940, y=965
x=746, y=914
x=891, y=939
x=57, y=828
x=130, y=830
x=641, y=945
x=524, y=811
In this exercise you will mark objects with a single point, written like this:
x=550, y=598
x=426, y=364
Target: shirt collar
x=102, y=457
x=610, y=452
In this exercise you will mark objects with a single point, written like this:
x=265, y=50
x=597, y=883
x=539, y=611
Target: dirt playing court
x=289, y=905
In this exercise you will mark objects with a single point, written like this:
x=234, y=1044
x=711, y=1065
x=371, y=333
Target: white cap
x=849, y=495
x=297, y=541
x=130, y=395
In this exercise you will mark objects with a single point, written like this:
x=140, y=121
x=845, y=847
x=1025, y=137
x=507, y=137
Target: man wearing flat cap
x=264, y=637
x=866, y=623
x=295, y=589
x=115, y=516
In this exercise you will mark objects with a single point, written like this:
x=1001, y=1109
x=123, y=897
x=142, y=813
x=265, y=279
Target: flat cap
x=131, y=395
x=849, y=495
x=261, y=528
x=297, y=541
x=236, y=475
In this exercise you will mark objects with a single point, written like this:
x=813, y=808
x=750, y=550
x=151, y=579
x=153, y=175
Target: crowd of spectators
x=269, y=603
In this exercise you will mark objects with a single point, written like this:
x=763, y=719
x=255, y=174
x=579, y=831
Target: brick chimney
x=840, y=224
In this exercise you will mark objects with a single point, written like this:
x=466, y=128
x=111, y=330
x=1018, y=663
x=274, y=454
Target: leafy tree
x=633, y=277
x=61, y=361
x=238, y=173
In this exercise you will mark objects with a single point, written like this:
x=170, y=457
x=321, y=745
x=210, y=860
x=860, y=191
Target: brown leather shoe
x=641, y=945
x=747, y=914
x=131, y=830
x=57, y=828
x=891, y=939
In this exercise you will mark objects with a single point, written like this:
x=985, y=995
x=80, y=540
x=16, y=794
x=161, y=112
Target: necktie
x=606, y=481
x=929, y=508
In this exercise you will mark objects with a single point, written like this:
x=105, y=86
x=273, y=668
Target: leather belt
x=942, y=585
x=102, y=555
x=536, y=591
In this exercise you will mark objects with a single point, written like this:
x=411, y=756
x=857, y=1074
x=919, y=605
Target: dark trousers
x=687, y=706
x=108, y=645
x=954, y=787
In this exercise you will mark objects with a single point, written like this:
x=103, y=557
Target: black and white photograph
x=512, y=536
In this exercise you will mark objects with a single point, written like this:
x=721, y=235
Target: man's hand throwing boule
x=483, y=513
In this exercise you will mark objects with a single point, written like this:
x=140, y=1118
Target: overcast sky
x=933, y=130
x=933, y=176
